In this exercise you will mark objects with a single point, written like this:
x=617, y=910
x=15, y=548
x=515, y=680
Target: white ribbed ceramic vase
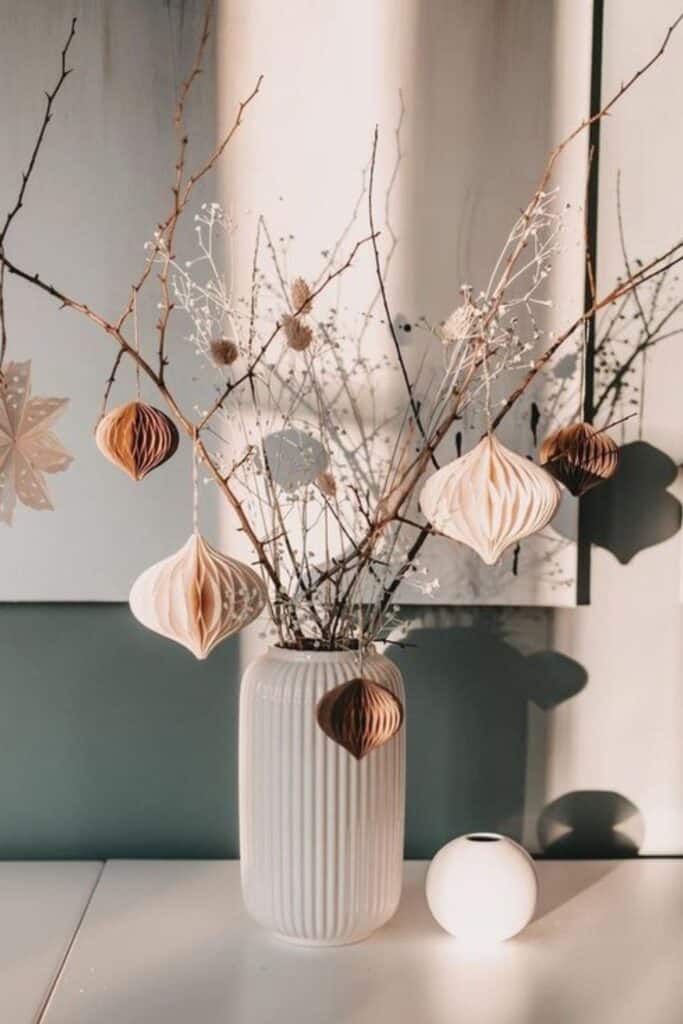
x=321, y=834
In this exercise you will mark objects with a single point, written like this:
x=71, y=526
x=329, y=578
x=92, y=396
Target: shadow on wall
x=595, y=823
x=634, y=510
x=467, y=693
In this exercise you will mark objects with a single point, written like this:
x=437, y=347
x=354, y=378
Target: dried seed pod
x=301, y=296
x=137, y=438
x=580, y=457
x=197, y=596
x=489, y=499
x=360, y=716
x=224, y=351
x=327, y=484
x=299, y=335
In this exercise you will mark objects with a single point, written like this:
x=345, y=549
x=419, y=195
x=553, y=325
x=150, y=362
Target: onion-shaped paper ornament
x=580, y=457
x=490, y=499
x=137, y=438
x=197, y=597
x=360, y=715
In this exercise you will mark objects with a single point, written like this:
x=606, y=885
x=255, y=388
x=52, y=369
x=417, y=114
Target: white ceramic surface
x=169, y=942
x=321, y=834
x=42, y=904
x=482, y=888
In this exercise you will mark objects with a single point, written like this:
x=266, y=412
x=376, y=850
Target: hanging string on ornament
x=136, y=343
x=3, y=322
x=198, y=596
x=195, y=485
x=135, y=437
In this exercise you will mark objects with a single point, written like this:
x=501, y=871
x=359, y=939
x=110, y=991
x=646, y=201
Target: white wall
x=623, y=732
x=332, y=70
x=480, y=114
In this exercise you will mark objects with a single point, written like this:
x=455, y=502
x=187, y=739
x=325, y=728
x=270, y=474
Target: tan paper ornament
x=197, y=597
x=137, y=438
x=490, y=499
x=28, y=446
x=580, y=457
x=360, y=716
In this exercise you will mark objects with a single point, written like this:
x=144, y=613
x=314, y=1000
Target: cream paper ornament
x=489, y=499
x=29, y=448
x=197, y=596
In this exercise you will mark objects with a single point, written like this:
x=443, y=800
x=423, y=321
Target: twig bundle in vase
x=334, y=489
x=289, y=439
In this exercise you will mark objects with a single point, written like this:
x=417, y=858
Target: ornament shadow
x=634, y=510
x=468, y=689
x=591, y=823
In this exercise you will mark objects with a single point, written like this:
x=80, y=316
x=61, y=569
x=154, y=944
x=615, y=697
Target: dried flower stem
x=328, y=601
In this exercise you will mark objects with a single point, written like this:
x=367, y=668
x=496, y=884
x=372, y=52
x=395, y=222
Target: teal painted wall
x=113, y=742
x=117, y=743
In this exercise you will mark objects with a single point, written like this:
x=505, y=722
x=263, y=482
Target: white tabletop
x=41, y=906
x=168, y=942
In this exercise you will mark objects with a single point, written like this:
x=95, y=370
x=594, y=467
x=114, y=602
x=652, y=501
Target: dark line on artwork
x=583, y=575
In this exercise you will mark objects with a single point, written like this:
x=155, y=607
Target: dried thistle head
x=299, y=335
x=301, y=296
x=327, y=484
x=461, y=324
x=224, y=351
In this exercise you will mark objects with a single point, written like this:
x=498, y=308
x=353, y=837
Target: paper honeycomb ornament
x=489, y=499
x=580, y=457
x=197, y=596
x=360, y=715
x=137, y=438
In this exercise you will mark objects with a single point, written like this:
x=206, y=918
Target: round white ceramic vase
x=482, y=888
x=321, y=834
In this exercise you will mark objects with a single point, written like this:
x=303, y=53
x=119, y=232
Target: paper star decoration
x=28, y=447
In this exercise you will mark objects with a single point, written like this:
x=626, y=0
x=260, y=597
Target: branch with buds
x=322, y=474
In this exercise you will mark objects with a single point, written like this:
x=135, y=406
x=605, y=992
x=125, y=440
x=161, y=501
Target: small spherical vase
x=482, y=888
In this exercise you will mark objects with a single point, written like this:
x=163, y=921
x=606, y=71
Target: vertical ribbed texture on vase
x=321, y=834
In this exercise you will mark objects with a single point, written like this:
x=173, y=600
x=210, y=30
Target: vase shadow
x=467, y=694
x=564, y=882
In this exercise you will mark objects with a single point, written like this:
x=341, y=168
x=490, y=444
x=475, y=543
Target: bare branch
x=385, y=301
x=249, y=372
x=47, y=117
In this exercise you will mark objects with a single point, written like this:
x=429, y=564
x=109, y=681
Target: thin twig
x=249, y=372
x=385, y=301
x=26, y=177
x=47, y=117
x=110, y=380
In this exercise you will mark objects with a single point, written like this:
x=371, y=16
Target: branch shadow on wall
x=467, y=694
